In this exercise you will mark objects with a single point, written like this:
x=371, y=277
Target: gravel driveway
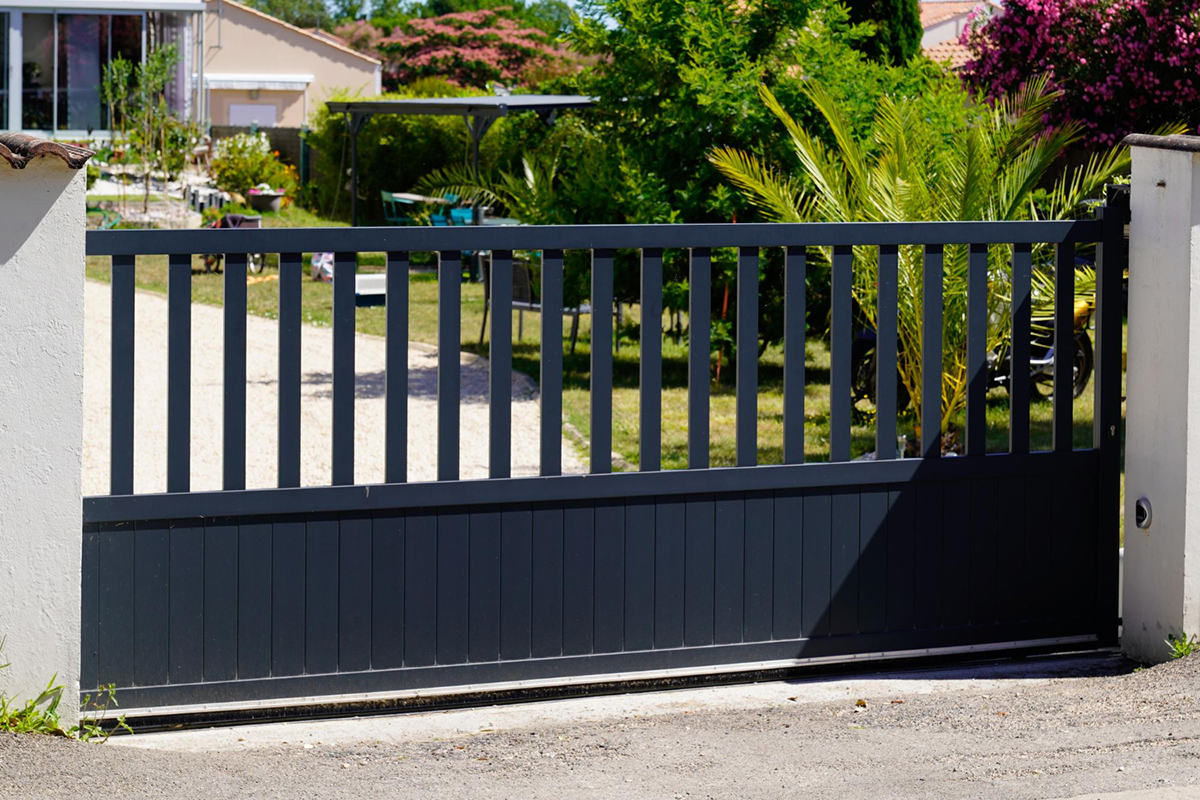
x=1066, y=728
x=150, y=399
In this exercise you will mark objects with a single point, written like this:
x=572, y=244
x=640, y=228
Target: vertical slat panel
x=579, y=570
x=669, y=571
x=254, y=600
x=931, y=354
x=420, y=589
x=699, y=557
x=1065, y=555
x=602, y=361
x=117, y=634
x=344, y=267
x=841, y=339
x=787, y=582
x=1018, y=395
x=551, y=364
x=396, y=382
x=610, y=577
x=449, y=339
x=547, y=619
x=793, y=355
x=901, y=557
x=290, y=274
x=179, y=372
x=639, y=574
x=288, y=594
x=220, y=599
x=321, y=596
x=729, y=520
x=747, y=357
x=233, y=451
x=1086, y=568
x=760, y=568
x=453, y=587
x=1064, y=343
x=516, y=583
x=650, y=356
x=151, y=581
x=984, y=537
x=354, y=593
x=483, y=627
x=977, y=323
x=1039, y=539
x=187, y=602
x=500, y=367
x=872, y=562
x=817, y=567
x=387, y=590
x=121, y=447
x=927, y=544
x=844, y=562
x=956, y=553
x=1011, y=549
x=89, y=608
x=885, y=354
x=699, y=317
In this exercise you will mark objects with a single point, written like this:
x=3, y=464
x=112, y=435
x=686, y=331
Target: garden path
x=150, y=398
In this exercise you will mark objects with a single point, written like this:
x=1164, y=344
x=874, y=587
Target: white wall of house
x=945, y=31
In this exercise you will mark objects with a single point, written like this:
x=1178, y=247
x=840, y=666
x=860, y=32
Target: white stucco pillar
x=41, y=415
x=1162, y=435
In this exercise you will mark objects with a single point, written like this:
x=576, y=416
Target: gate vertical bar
x=179, y=371
x=121, y=442
x=885, y=353
x=551, y=366
x=233, y=451
x=977, y=287
x=841, y=335
x=1064, y=343
x=747, y=357
x=289, y=369
x=794, y=289
x=650, y=358
x=1106, y=429
x=1018, y=398
x=500, y=367
x=449, y=341
x=344, y=267
x=602, y=360
x=396, y=381
x=931, y=353
x=699, y=313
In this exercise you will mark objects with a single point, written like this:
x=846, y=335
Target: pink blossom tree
x=469, y=48
x=1121, y=65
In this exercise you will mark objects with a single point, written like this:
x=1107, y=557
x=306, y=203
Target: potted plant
x=264, y=198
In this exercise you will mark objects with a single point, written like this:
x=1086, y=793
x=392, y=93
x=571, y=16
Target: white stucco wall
x=1162, y=442
x=41, y=425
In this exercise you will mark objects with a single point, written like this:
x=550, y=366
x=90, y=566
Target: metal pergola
x=479, y=114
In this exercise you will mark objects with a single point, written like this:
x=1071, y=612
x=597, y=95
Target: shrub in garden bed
x=245, y=161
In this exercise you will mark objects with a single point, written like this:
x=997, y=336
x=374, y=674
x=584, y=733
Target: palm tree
x=912, y=169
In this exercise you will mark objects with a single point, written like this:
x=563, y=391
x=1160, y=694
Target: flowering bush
x=245, y=161
x=1121, y=65
x=468, y=48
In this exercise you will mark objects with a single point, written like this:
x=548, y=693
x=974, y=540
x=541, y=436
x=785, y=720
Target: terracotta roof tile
x=951, y=51
x=18, y=149
x=935, y=12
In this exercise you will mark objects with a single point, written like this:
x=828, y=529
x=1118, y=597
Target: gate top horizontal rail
x=496, y=491
x=584, y=237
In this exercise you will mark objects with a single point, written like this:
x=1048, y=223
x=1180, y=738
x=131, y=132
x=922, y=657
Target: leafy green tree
x=301, y=13
x=988, y=167
x=897, y=28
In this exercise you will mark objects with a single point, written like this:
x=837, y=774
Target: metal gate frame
x=296, y=595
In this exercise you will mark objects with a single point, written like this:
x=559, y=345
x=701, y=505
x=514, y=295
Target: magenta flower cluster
x=469, y=48
x=1122, y=66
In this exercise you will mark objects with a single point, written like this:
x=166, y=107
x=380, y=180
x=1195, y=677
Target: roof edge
x=18, y=149
x=342, y=48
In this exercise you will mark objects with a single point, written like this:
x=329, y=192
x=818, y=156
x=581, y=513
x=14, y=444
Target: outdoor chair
x=393, y=208
x=523, y=301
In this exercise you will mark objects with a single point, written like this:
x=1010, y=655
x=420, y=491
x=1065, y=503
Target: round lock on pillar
x=1143, y=513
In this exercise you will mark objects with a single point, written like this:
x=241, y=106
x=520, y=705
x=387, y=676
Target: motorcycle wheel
x=862, y=375
x=1085, y=362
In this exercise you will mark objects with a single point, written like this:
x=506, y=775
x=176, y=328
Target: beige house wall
x=241, y=41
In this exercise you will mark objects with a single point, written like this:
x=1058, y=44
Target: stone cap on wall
x=18, y=149
x=1178, y=141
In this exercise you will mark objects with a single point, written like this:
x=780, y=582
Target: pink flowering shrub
x=1121, y=65
x=468, y=48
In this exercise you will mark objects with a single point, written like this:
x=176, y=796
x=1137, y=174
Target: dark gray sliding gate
x=242, y=595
